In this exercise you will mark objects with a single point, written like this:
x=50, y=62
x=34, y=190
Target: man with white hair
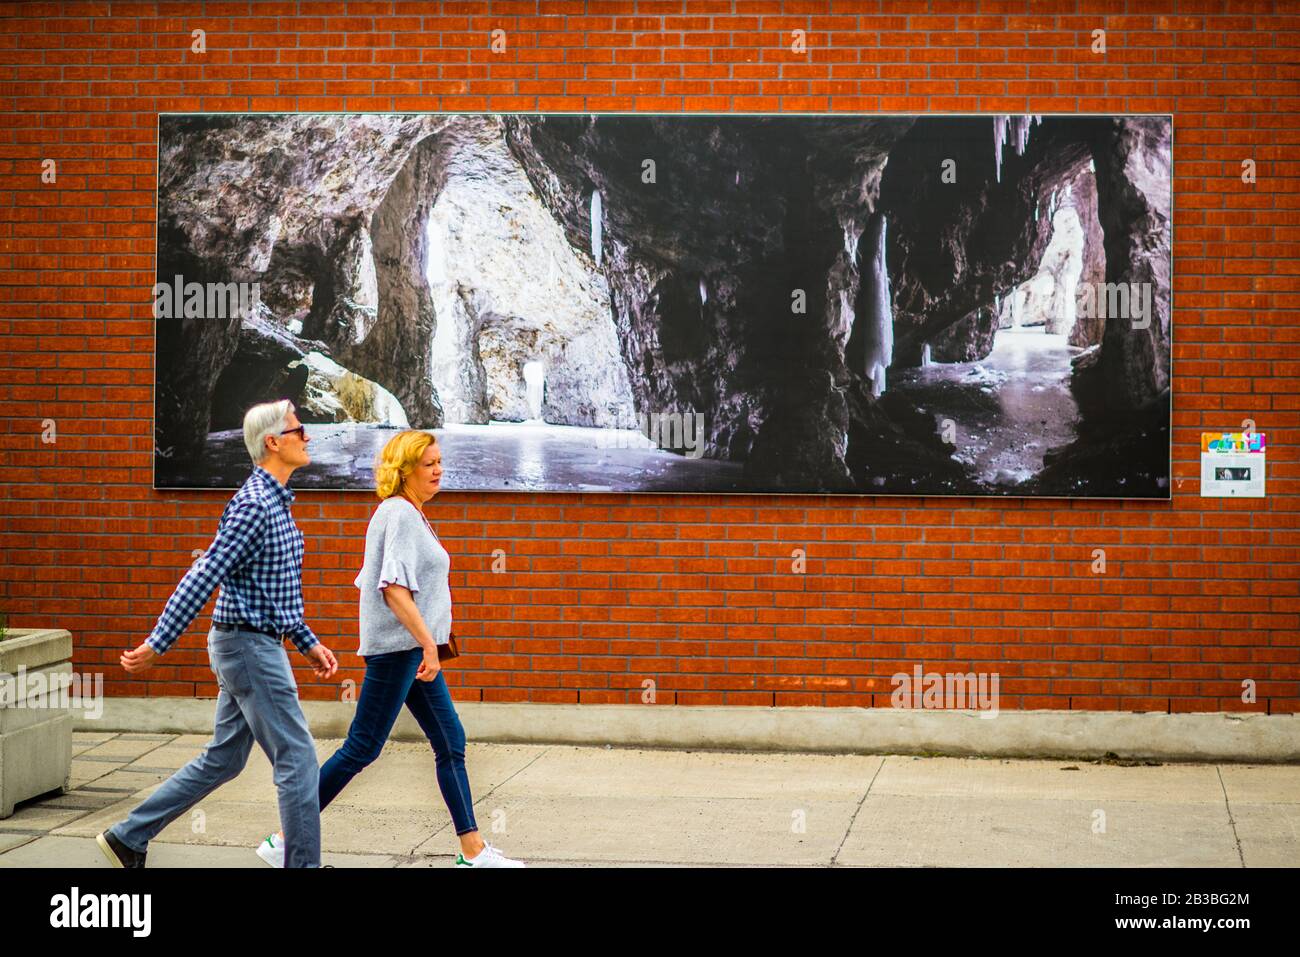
x=256, y=558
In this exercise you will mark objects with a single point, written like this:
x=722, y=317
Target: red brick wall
x=603, y=592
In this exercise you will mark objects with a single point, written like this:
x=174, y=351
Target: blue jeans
x=258, y=702
x=390, y=683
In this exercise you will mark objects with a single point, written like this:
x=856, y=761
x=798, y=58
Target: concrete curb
x=1252, y=738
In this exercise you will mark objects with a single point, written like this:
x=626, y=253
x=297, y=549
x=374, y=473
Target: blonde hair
x=398, y=460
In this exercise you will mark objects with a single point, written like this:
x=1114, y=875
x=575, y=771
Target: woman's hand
x=430, y=666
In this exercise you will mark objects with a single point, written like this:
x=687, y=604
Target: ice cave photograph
x=970, y=305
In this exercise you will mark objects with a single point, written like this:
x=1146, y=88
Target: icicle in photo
x=879, y=338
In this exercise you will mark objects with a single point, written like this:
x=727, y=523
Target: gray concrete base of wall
x=1254, y=738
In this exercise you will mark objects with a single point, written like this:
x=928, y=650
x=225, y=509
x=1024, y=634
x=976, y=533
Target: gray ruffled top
x=401, y=549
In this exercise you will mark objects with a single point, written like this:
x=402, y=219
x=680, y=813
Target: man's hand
x=324, y=664
x=138, y=659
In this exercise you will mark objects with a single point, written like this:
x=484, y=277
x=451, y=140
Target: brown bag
x=449, y=650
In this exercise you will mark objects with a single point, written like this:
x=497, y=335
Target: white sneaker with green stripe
x=488, y=857
x=272, y=850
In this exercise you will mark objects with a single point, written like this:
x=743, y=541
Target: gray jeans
x=258, y=702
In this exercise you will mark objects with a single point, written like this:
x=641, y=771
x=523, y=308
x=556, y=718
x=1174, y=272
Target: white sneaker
x=272, y=850
x=488, y=857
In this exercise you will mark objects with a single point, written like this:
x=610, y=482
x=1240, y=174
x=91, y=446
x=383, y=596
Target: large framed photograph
x=859, y=304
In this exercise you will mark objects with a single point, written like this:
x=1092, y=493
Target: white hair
x=269, y=418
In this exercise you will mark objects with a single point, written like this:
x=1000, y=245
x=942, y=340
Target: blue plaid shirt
x=256, y=558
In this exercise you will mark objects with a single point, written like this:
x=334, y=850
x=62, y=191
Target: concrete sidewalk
x=561, y=805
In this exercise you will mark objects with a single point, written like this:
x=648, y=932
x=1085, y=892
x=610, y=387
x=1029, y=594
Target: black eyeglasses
x=301, y=430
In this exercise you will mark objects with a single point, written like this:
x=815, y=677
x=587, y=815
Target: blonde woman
x=405, y=615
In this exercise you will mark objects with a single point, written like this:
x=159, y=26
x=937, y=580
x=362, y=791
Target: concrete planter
x=35, y=720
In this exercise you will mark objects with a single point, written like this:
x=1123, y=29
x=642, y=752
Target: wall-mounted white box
x=1232, y=464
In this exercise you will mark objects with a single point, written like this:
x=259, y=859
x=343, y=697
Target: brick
x=1197, y=590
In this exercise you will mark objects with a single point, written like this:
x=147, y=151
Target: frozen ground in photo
x=1009, y=408
x=501, y=456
